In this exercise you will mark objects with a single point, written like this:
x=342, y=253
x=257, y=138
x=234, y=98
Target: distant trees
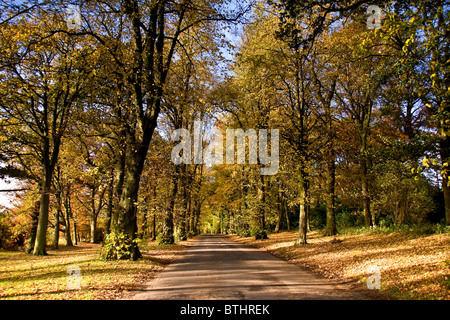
x=350, y=104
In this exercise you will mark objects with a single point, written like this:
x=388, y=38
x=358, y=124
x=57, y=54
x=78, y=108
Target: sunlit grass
x=24, y=276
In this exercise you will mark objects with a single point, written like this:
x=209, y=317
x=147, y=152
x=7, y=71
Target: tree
x=154, y=29
x=39, y=89
x=419, y=32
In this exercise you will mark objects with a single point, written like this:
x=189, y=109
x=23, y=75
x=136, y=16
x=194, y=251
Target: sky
x=6, y=198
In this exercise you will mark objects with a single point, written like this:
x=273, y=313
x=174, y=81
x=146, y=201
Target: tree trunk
x=93, y=228
x=109, y=209
x=127, y=223
x=445, y=157
x=363, y=123
x=41, y=232
x=303, y=219
x=330, y=229
x=75, y=233
x=365, y=193
x=34, y=223
x=68, y=217
x=280, y=212
x=261, y=202
x=154, y=227
x=168, y=229
x=183, y=235
x=286, y=209
x=49, y=160
x=118, y=188
x=57, y=215
x=94, y=214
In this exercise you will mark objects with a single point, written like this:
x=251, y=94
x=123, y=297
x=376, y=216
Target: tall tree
x=39, y=89
x=152, y=30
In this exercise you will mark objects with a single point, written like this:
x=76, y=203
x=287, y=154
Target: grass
x=24, y=276
x=412, y=266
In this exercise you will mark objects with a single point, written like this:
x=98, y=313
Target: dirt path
x=217, y=268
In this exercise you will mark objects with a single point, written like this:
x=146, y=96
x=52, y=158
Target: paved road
x=217, y=268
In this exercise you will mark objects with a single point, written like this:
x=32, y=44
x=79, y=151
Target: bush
x=318, y=217
x=243, y=232
x=258, y=233
x=190, y=234
x=442, y=228
x=163, y=239
x=179, y=236
x=12, y=230
x=401, y=196
x=117, y=246
x=345, y=219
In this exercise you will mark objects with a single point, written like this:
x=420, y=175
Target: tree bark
x=118, y=186
x=154, y=227
x=261, y=202
x=183, y=215
x=34, y=223
x=168, y=229
x=75, y=233
x=365, y=193
x=41, y=232
x=109, y=209
x=93, y=228
x=444, y=146
x=286, y=209
x=330, y=229
x=363, y=122
x=57, y=215
x=303, y=219
x=68, y=217
x=280, y=212
x=49, y=160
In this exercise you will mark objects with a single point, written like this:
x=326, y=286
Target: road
x=217, y=268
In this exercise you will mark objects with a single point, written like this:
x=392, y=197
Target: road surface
x=217, y=268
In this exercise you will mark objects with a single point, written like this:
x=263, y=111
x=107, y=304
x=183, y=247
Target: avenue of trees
x=87, y=117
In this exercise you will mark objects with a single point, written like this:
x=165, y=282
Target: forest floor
x=411, y=266
x=24, y=276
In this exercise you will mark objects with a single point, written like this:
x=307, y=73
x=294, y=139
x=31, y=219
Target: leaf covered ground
x=411, y=266
x=24, y=276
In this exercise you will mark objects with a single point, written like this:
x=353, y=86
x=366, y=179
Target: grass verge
x=24, y=276
x=411, y=266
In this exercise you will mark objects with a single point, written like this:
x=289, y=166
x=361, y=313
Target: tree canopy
x=354, y=115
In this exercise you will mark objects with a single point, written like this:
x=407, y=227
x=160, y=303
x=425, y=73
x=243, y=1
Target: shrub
x=345, y=219
x=442, y=228
x=243, y=232
x=117, y=246
x=258, y=233
x=190, y=234
x=163, y=239
x=318, y=216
